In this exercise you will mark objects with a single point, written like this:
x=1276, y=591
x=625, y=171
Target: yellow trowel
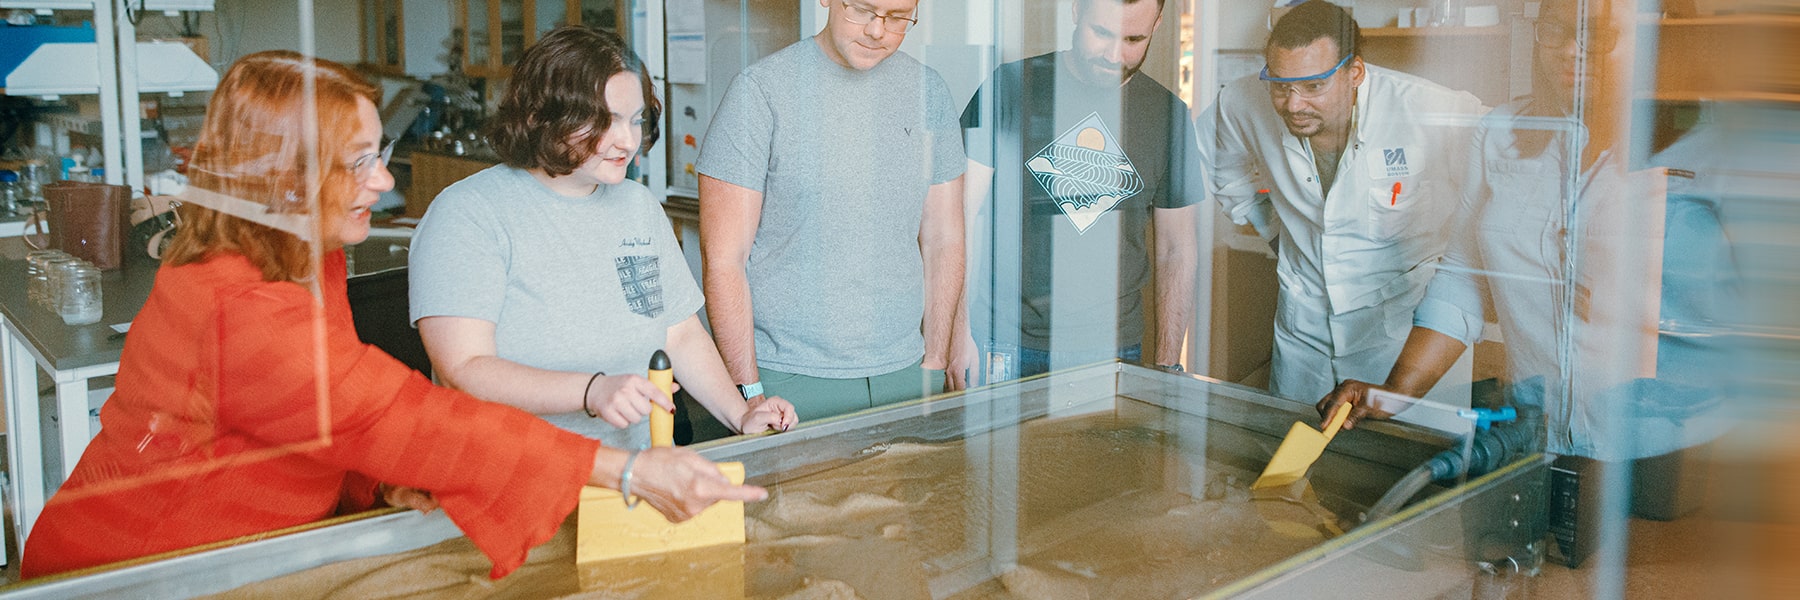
x=1298, y=452
x=607, y=528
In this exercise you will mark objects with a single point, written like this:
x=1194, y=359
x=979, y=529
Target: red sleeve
x=303, y=383
x=360, y=493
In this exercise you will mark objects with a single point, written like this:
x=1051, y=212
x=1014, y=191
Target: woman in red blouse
x=245, y=402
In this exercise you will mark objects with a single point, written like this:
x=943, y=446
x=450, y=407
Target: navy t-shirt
x=1077, y=170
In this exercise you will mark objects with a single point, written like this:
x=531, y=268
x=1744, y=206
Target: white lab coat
x=1511, y=256
x=1352, y=263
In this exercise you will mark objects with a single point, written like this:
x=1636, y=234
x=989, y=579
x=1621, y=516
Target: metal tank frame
x=1476, y=535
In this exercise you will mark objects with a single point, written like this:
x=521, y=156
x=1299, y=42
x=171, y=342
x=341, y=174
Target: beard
x=1304, y=130
x=1100, y=71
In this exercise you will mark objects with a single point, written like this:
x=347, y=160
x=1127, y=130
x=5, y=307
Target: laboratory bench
x=34, y=340
x=435, y=169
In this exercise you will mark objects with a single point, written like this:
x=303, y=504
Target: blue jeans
x=1006, y=361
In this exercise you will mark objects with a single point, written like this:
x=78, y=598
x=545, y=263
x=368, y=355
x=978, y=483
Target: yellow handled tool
x=1299, y=450
x=606, y=528
x=662, y=422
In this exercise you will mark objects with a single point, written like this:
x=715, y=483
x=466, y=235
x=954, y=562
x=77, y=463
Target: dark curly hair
x=559, y=89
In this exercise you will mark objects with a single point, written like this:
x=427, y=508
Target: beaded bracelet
x=584, y=394
x=625, y=482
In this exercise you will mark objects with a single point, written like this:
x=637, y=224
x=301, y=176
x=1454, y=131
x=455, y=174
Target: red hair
x=261, y=142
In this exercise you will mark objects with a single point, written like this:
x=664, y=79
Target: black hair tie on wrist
x=584, y=394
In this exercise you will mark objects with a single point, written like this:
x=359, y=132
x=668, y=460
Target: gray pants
x=817, y=398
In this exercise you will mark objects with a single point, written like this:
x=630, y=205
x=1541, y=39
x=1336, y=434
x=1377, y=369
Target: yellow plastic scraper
x=606, y=528
x=1298, y=452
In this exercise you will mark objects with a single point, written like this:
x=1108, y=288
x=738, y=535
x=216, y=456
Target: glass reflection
x=1587, y=250
x=246, y=404
x=1085, y=183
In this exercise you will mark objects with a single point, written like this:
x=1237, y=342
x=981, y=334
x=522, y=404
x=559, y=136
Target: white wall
x=428, y=24
x=1243, y=25
x=246, y=26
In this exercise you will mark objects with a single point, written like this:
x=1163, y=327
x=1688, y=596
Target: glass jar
x=31, y=181
x=9, y=192
x=53, y=270
x=37, y=273
x=79, y=300
x=1446, y=13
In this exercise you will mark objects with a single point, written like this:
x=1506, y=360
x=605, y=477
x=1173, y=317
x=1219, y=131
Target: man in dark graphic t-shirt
x=1094, y=176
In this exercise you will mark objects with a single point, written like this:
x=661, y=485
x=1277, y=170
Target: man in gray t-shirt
x=831, y=217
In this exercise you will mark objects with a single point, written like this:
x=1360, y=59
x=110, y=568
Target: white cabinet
x=56, y=69
x=172, y=68
x=189, y=5
x=153, y=67
x=117, y=73
x=77, y=68
x=48, y=5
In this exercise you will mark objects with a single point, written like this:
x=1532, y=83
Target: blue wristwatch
x=751, y=390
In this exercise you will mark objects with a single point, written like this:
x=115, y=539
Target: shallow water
x=1091, y=506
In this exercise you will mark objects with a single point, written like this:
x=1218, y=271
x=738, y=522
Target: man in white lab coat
x=1363, y=165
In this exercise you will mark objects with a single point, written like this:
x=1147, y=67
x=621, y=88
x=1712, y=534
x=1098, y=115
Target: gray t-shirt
x=571, y=284
x=843, y=159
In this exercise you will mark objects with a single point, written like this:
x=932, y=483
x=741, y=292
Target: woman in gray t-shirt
x=547, y=282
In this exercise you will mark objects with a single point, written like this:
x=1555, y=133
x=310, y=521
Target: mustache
x=1125, y=71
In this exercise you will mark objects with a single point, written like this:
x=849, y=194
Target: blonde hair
x=261, y=143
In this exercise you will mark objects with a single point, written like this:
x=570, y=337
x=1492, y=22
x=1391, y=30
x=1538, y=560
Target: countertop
x=482, y=153
x=123, y=292
x=67, y=347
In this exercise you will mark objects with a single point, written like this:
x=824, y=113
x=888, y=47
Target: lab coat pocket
x=1395, y=209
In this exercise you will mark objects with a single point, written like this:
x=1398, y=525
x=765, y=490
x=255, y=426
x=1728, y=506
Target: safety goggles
x=1310, y=86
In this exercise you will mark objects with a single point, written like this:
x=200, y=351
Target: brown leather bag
x=86, y=220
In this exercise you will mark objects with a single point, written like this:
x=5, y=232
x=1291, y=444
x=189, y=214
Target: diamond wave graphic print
x=1086, y=172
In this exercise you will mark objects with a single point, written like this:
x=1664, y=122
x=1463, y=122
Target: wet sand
x=1094, y=507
